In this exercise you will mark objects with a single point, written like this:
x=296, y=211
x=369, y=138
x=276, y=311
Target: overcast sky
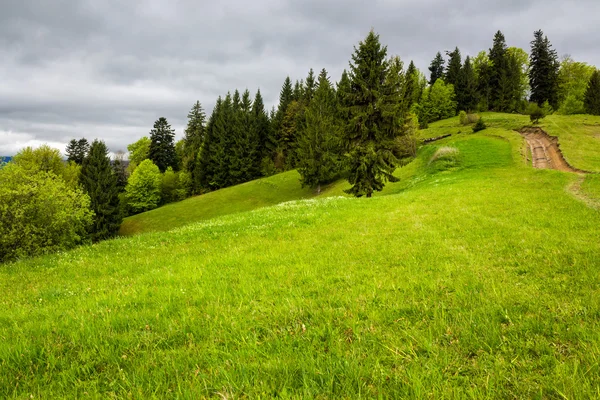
x=109, y=68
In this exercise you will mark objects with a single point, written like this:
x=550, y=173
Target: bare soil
x=545, y=151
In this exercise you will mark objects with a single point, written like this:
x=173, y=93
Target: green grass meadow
x=475, y=276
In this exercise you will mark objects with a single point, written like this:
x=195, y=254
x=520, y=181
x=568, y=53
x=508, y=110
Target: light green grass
x=478, y=280
x=247, y=196
x=591, y=187
x=579, y=135
x=579, y=138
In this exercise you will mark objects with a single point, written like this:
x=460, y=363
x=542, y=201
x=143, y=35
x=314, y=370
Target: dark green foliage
x=245, y=155
x=286, y=96
x=479, y=126
x=466, y=90
x=206, y=167
x=543, y=72
x=411, y=87
x=436, y=68
x=454, y=67
x=592, y=95
x=373, y=101
x=319, y=143
x=162, y=146
x=120, y=171
x=77, y=150
x=262, y=128
x=505, y=88
x=309, y=87
x=193, y=140
x=100, y=183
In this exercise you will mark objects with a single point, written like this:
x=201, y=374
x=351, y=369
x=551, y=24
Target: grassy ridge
x=470, y=279
x=247, y=196
x=579, y=139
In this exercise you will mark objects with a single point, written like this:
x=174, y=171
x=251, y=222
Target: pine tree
x=246, y=152
x=298, y=93
x=220, y=156
x=543, y=71
x=466, y=89
x=206, y=166
x=498, y=71
x=454, y=67
x=318, y=145
x=262, y=129
x=436, y=68
x=162, y=146
x=309, y=87
x=100, y=183
x=77, y=150
x=286, y=96
x=120, y=170
x=412, y=85
x=373, y=126
x=193, y=139
x=592, y=95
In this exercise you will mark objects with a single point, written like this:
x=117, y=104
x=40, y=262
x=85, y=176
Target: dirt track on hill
x=545, y=152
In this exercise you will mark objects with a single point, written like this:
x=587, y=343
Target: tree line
x=360, y=128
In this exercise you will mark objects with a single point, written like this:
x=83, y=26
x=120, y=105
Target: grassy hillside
x=248, y=196
x=476, y=276
x=579, y=135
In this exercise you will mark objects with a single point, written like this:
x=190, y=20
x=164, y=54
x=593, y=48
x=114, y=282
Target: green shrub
x=535, y=112
x=463, y=118
x=39, y=213
x=479, y=126
x=143, y=190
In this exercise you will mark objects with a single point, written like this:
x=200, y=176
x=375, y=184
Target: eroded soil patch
x=545, y=152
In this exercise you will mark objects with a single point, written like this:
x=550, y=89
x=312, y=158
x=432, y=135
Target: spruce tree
x=309, y=87
x=120, y=170
x=220, y=155
x=286, y=96
x=373, y=125
x=498, y=72
x=100, y=183
x=206, y=166
x=318, y=145
x=193, y=139
x=262, y=129
x=452, y=74
x=543, y=71
x=411, y=86
x=162, y=146
x=592, y=95
x=436, y=68
x=77, y=150
x=245, y=151
x=466, y=89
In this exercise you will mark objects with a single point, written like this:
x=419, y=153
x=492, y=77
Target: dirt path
x=545, y=152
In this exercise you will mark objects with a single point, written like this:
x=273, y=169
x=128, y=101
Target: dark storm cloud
x=109, y=69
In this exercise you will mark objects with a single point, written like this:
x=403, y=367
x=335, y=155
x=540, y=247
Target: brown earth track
x=545, y=151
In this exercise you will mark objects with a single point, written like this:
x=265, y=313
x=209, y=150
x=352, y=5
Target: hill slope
x=477, y=276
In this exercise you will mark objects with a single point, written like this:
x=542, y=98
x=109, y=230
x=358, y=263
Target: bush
x=535, y=113
x=479, y=126
x=143, y=190
x=39, y=213
x=467, y=119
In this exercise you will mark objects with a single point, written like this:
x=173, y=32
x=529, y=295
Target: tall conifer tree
x=373, y=125
x=466, y=89
x=100, y=183
x=77, y=150
x=194, y=137
x=318, y=145
x=543, y=71
x=162, y=146
x=452, y=74
x=436, y=68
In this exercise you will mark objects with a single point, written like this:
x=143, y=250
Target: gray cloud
x=109, y=69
